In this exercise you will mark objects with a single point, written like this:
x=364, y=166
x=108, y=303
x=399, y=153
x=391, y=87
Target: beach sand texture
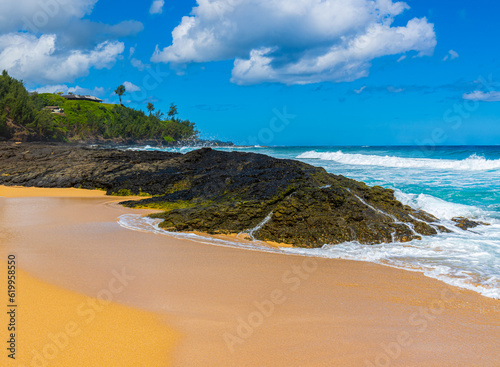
x=193, y=304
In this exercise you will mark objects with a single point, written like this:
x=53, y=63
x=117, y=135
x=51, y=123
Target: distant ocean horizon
x=446, y=181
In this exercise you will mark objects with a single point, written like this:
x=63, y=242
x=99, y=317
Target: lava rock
x=278, y=200
x=465, y=223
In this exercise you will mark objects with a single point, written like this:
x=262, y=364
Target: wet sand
x=234, y=307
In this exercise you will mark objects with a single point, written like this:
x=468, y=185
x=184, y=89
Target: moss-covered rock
x=227, y=192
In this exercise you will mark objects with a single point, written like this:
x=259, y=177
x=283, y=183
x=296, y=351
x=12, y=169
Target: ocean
x=446, y=181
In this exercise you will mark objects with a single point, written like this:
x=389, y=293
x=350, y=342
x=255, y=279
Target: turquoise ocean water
x=445, y=181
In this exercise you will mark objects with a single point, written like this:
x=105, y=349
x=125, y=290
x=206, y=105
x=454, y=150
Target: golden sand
x=18, y=191
x=233, y=307
x=56, y=327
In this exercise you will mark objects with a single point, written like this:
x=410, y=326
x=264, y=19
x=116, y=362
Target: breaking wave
x=472, y=163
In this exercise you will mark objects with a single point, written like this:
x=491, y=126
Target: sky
x=274, y=72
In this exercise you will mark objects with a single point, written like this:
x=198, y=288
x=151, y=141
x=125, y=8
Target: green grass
x=23, y=116
x=85, y=119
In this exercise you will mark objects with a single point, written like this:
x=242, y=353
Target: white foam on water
x=259, y=226
x=187, y=149
x=438, y=207
x=473, y=163
x=137, y=222
x=467, y=259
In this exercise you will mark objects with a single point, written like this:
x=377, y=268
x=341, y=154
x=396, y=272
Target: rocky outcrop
x=211, y=191
x=466, y=223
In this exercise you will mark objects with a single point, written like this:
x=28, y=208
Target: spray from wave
x=187, y=149
x=473, y=163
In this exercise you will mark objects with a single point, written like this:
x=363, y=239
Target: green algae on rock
x=217, y=192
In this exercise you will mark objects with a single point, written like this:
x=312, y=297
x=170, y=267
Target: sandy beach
x=162, y=301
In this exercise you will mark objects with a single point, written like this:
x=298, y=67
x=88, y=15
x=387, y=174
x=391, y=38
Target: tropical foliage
x=24, y=116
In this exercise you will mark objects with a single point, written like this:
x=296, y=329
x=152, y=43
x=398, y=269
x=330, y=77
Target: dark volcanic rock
x=272, y=199
x=465, y=223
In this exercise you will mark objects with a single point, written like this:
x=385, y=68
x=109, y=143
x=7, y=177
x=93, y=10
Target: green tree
x=23, y=116
x=120, y=91
x=151, y=108
x=172, y=112
x=159, y=115
x=16, y=107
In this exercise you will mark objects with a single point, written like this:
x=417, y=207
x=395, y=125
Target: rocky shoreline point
x=217, y=192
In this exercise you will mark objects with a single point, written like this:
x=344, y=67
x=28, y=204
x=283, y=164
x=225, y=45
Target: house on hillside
x=55, y=109
x=77, y=97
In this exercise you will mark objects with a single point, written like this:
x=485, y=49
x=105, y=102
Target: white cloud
x=97, y=91
x=51, y=41
x=36, y=15
x=477, y=95
x=36, y=58
x=360, y=90
x=131, y=87
x=392, y=89
x=122, y=29
x=157, y=7
x=299, y=42
x=138, y=64
x=131, y=52
x=401, y=58
x=452, y=55
x=64, y=18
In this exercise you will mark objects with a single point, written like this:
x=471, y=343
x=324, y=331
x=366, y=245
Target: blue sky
x=275, y=72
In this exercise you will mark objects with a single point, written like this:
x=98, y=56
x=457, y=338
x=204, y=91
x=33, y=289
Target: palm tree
x=120, y=91
x=150, y=108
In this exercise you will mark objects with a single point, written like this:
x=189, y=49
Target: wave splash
x=472, y=163
x=466, y=259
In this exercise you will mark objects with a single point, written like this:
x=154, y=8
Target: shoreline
x=242, y=241
x=236, y=307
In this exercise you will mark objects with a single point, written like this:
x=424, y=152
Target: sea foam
x=467, y=259
x=472, y=163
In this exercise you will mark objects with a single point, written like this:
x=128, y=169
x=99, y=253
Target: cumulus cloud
x=35, y=58
x=36, y=16
x=64, y=18
x=131, y=87
x=492, y=96
x=97, y=91
x=85, y=34
x=299, y=42
x=122, y=29
x=157, y=7
x=51, y=41
x=451, y=55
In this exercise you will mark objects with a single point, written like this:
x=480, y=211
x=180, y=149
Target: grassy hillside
x=22, y=117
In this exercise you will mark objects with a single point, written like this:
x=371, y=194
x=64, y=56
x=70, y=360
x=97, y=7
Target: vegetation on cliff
x=23, y=117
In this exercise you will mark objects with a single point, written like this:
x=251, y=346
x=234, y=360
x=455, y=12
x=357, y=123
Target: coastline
x=304, y=311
